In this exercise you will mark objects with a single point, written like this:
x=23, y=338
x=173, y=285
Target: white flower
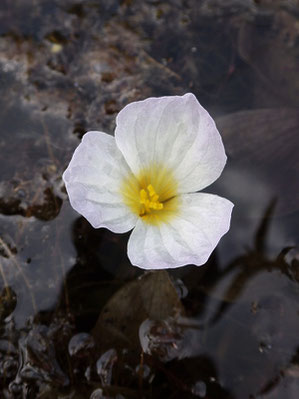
x=146, y=177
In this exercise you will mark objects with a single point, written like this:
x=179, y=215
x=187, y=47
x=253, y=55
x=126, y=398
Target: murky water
x=76, y=319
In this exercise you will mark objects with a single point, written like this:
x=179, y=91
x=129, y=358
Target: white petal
x=189, y=238
x=176, y=132
x=93, y=180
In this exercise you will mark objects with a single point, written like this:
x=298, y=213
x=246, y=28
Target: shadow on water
x=76, y=319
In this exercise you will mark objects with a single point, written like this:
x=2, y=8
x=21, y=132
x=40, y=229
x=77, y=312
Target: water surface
x=76, y=319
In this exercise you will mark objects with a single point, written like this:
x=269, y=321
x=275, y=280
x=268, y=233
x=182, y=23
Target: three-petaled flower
x=147, y=176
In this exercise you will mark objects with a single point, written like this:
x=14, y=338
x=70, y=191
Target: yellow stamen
x=152, y=195
x=150, y=200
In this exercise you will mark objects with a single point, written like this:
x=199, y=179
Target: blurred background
x=76, y=319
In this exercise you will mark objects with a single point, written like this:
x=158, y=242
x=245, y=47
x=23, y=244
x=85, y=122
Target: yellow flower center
x=152, y=195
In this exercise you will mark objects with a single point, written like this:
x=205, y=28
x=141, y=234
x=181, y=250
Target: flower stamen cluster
x=150, y=200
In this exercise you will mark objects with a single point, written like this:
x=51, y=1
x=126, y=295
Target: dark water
x=73, y=317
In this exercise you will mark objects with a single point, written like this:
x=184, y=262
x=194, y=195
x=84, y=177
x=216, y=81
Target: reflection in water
x=72, y=308
x=104, y=366
x=36, y=267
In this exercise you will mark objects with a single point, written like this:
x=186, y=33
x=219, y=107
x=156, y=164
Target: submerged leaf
x=263, y=147
x=152, y=296
x=268, y=45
